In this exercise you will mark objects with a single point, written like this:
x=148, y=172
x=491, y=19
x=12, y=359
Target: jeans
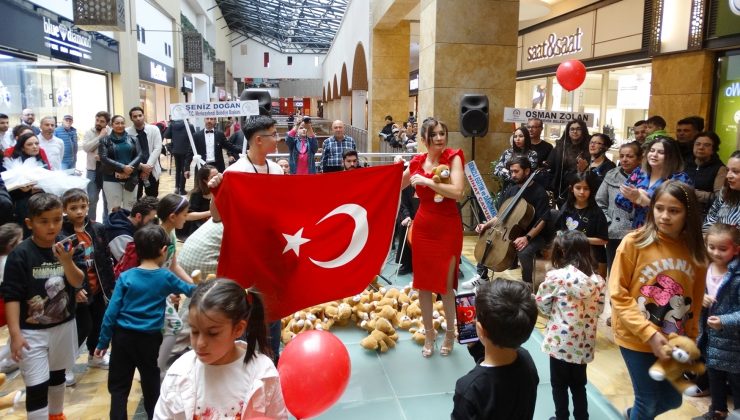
x=652, y=397
x=93, y=193
x=564, y=376
x=89, y=318
x=611, y=251
x=718, y=384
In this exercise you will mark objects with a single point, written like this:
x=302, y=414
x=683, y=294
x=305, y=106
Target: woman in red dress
x=437, y=231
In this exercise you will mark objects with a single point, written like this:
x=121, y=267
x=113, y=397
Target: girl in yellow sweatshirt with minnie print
x=656, y=286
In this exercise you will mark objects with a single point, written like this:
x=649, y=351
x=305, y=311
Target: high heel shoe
x=448, y=343
x=430, y=342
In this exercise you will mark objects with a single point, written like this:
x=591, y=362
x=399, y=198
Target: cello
x=495, y=247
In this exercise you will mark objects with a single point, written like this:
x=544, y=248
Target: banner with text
x=214, y=109
x=479, y=189
x=521, y=115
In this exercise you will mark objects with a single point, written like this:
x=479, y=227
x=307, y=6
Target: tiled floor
x=399, y=384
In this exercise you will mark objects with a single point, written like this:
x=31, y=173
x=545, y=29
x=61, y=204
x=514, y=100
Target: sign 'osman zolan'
x=214, y=109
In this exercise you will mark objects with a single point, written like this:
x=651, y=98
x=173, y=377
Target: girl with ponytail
x=223, y=377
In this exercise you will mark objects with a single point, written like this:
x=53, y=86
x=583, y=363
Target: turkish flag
x=307, y=239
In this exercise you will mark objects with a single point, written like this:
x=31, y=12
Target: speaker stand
x=472, y=200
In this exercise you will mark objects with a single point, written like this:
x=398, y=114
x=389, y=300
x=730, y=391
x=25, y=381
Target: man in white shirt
x=210, y=143
x=94, y=172
x=150, y=141
x=51, y=144
x=6, y=136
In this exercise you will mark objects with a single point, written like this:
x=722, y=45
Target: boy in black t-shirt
x=41, y=275
x=504, y=384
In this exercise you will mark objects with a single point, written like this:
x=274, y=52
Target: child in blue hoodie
x=572, y=296
x=134, y=319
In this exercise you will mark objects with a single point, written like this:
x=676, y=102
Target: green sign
x=727, y=113
x=728, y=17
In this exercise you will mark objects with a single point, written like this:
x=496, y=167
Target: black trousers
x=527, y=256
x=132, y=350
x=89, y=318
x=333, y=169
x=151, y=191
x=180, y=170
x=718, y=380
x=564, y=376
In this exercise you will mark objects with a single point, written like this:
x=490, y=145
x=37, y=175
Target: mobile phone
x=70, y=242
x=465, y=309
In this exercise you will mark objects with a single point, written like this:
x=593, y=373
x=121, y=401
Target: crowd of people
x=660, y=223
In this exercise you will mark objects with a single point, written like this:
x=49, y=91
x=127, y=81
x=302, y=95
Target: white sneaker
x=8, y=366
x=695, y=391
x=473, y=283
x=99, y=362
x=69, y=378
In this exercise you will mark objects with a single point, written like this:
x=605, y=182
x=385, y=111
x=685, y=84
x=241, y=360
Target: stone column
x=681, y=86
x=358, y=109
x=389, y=78
x=469, y=47
x=126, y=83
x=346, y=112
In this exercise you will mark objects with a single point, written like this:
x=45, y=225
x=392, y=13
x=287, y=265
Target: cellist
x=528, y=245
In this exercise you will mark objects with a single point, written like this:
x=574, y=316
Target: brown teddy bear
x=684, y=358
x=441, y=174
x=12, y=398
x=377, y=340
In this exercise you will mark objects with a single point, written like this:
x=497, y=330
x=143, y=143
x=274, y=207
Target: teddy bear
x=413, y=310
x=441, y=174
x=684, y=357
x=377, y=340
x=382, y=335
x=12, y=398
x=386, y=311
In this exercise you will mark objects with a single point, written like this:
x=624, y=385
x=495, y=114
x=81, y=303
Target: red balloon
x=571, y=74
x=314, y=371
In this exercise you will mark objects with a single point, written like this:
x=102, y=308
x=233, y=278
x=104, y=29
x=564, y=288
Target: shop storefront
x=157, y=82
x=724, y=35
x=617, y=86
x=51, y=67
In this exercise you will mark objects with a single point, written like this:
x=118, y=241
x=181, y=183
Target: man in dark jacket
x=210, y=143
x=178, y=135
x=122, y=224
x=406, y=213
x=6, y=203
x=706, y=169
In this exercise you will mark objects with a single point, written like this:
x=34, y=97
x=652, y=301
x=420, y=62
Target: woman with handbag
x=120, y=156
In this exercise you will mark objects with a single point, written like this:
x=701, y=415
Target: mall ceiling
x=289, y=26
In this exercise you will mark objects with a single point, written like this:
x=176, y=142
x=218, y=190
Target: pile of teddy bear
x=380, y=312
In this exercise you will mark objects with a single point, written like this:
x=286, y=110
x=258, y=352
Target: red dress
x=437, y=232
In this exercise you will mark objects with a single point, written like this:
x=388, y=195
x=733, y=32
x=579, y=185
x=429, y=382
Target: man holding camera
x=302, y=146
x=334, y=148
